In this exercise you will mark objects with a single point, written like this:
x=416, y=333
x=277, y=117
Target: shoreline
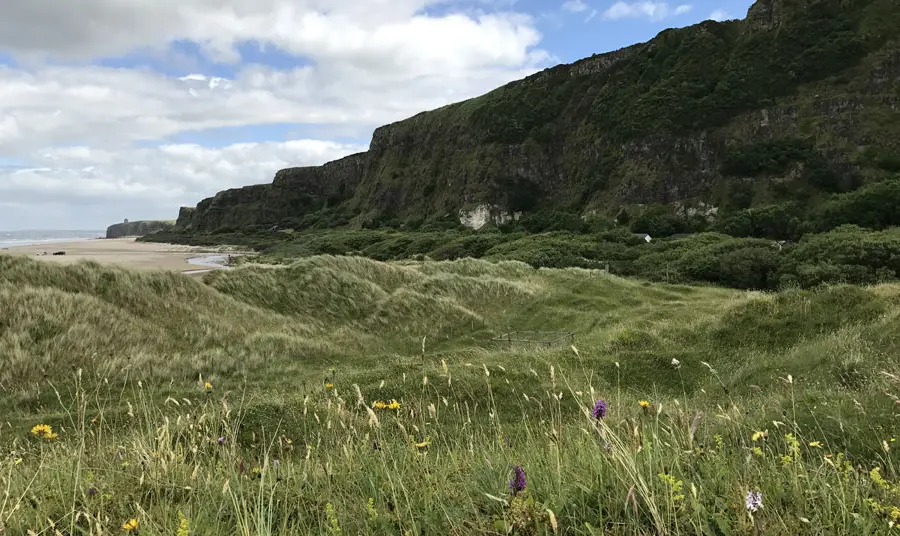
x=126, y=252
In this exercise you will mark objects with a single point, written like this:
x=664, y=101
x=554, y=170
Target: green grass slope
x=297, y=355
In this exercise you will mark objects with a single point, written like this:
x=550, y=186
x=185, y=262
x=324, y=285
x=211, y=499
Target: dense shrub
x=847, y=254
x=547, y=221
x=738, y=262
x=873, y=206
x=781, y=222
x=474, y=245
x=658, y=221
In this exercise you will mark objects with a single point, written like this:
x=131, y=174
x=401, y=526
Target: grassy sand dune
x=249, y=403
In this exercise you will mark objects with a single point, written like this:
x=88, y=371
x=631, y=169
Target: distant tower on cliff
x=126, y=220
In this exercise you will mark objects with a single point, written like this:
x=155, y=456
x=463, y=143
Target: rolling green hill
x=247, y=403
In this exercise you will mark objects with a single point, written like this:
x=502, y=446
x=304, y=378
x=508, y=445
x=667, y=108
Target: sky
x=112, y=109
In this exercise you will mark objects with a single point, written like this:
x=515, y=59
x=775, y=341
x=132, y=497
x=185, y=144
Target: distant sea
x=10, y=239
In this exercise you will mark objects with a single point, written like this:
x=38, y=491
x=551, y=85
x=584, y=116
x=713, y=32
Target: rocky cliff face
x=137, y=228
x=656, y=122
x=293, y=193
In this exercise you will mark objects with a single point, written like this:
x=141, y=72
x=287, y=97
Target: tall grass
x=793, y=395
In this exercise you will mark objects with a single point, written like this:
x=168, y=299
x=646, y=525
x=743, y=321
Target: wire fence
x=539, y=339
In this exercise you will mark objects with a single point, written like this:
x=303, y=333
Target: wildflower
x=130, y=525
x=329, y=385
x=208, y=386
x=676, y=363
x=760, y=435
x=815, y=444
x=373, y=513
x=184, y=526
x=599, y=409
x=380, y=405
x=44, y=431
x=753, y=501
x=517, y=483
x=676, y=486
x=644, y=404
x=758, y=451
x=91, y=491
x=334, y=526
x=394, y=404
x=878, y=480
x=221, y=440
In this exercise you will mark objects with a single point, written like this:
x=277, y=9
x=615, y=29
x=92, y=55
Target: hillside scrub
x=847, y=254
x=342, y=395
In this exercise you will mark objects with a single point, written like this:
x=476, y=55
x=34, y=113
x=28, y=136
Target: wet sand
x=121, y=251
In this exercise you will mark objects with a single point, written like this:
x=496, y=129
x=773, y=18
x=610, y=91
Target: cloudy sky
x=114, y=109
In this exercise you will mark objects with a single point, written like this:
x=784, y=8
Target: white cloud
x=654, y=11
x=574, y=6
x=719, y=15
x=149, y=182
x=396, y=33
x=358, y=64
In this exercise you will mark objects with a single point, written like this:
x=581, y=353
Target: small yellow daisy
x=815, y=444
x=208, y=386
x=44, y=431
x=644, y=404
x=394, y=404
x=760, y=435
x=329, y=385
x=130, y=525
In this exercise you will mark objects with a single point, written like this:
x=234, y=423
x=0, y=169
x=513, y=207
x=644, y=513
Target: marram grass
x=234, y=407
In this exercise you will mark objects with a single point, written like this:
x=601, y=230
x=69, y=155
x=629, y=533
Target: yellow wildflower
x=815, y=444
x=44, y=431
x=644, y=404
x=184, y=526
x=394, y=404
x=208, y=386
x=380, y=405
x=329, y=385
x=130, y=525
x=758, y=451
x=760, y=435
x=878, y=480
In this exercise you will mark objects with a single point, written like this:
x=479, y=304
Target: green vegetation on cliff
x=847, y=238
x=247, y=404
x=794, y=103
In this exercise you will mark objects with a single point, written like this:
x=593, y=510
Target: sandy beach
x=121, y=251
